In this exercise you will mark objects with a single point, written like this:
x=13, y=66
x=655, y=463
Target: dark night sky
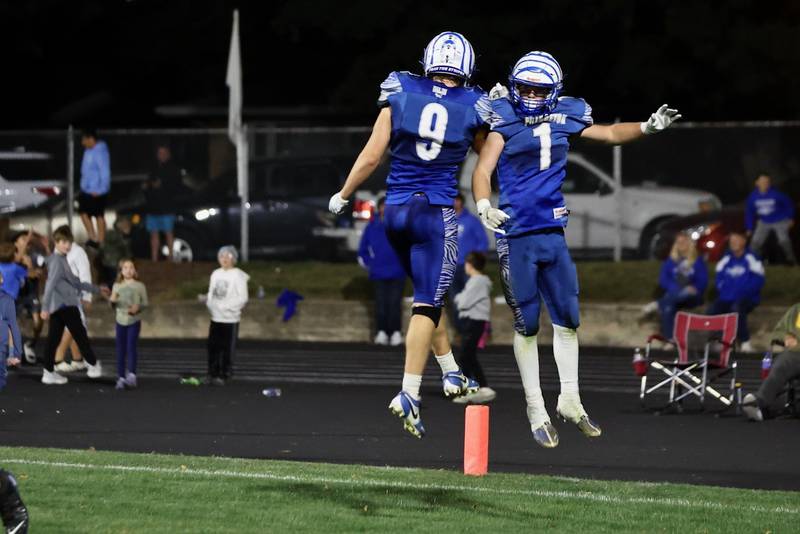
x=111, y=62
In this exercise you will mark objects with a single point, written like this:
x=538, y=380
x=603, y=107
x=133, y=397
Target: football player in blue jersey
x=428, y=123
x=530, y=132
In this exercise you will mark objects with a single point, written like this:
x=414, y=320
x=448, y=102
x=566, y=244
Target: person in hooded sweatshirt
x=739, y=279
x=768, y=210
x=227, y=296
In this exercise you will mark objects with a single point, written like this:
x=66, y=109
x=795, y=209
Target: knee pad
x=431, y=312
x=564, y=332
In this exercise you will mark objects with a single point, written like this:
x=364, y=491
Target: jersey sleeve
x=579, y=114
x=483, y=109
x=390, y=86
x=502, y=117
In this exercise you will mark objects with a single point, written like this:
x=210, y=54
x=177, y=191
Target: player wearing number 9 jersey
x=528, y=145
x=428, y=123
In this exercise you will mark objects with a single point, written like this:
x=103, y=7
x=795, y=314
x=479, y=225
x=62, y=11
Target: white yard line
x=566, y=495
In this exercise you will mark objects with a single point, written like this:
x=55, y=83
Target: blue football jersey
x=433, y=126
x=533, y=163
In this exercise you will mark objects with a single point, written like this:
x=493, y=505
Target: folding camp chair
x=705, y=345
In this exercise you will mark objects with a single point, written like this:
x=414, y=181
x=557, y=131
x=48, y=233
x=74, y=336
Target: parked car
x=25, y=180
x=288, y=205
x=710, y=231
x=589, y=194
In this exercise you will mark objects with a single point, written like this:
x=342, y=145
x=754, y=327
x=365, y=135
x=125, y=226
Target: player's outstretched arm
x=366, y=162
x=491, y=218
x=625, y=132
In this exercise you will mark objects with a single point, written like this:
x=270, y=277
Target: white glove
x=498, y=91
x=492, y=218
x=660, y=120
x=337, y=204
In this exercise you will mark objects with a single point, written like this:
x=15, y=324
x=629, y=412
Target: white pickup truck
x=589, y=194
x=17, y=191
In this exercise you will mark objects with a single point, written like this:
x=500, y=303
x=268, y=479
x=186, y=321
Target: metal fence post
x=243, y=163
x=70, y=174
x=617, y=171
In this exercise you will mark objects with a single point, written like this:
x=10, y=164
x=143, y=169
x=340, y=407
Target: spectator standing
x=14, y=276
x=474, y=305
x=227, y=296
x=785, y=367
x=160, y=189
x=32, y=259
x=376, y=254
x=60, y=304
x=117, y=248
x=95, y=185
x=471, y=238
x=768, y=210
x=79, y=265
x=129, y=298
x=9, y=348
x=684, y=278
x=739, y=279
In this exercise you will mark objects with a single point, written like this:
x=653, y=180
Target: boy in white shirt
x=227, y=296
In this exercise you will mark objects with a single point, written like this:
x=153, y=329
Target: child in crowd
x=684, y=278
x=60, y=304
x=8, y=329
x=227, y=296
x=129, y=298
x=31, y=251
x=14, y=276
x=474, y=305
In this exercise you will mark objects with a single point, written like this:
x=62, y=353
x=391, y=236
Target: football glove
x=660, y=120
x=492, y=218
x=498, y=91
x=337, y=204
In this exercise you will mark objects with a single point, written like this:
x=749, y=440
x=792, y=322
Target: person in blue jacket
x=8, y=328
x=768, y=210
x=471, y=238
x=684, y=278
x=376, y=254
x=95, y=185
x=739, y=279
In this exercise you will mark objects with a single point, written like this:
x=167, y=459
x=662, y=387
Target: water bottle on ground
x=766, y=364
x=639, y=362
x=272, y=392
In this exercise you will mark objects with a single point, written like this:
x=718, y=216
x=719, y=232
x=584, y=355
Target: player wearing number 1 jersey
x=428, y=123
x=528, y=145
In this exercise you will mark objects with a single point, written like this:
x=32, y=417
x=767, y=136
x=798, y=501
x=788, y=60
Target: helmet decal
x=449, y=53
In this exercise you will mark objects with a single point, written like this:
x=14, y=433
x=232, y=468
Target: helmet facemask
x=535, y=83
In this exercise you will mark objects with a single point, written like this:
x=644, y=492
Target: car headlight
x=204, y=214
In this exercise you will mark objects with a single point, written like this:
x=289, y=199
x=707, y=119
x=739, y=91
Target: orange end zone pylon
x=476, y=441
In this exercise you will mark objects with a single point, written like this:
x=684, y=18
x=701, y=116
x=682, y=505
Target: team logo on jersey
x=439, y=92
x=558, y=118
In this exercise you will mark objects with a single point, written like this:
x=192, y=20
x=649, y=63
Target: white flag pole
x=238, y=133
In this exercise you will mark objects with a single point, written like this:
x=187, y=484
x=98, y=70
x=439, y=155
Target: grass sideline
x=600, y=281
x=90, y=491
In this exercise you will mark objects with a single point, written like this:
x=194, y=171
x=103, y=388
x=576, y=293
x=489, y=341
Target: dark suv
x=288, y=202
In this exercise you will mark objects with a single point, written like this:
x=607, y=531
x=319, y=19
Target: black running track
x=333, y=408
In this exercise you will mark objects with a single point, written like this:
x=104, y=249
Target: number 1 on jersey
x=543, y=133
x=432, y=126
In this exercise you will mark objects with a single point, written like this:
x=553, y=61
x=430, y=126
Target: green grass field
x=88, y=491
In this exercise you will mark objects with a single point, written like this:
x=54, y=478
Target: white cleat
x=482, y=396
x=570, y=409
x=455, y=384
x=407, y=408
x=544, y=433
x=51, y=378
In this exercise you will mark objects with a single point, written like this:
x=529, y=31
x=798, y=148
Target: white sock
x=526, y=351
x=411, y=384
x=565, y=350
x=447, y=362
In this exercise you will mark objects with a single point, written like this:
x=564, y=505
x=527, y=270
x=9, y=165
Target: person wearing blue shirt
x=531, y=128
x=684, y=278
x=376, y=254
x=768, y=210
x=14, y=274
x=95, y=185
x=8, y=328
x=471, y=238
x=739, y=279
x=428, y=123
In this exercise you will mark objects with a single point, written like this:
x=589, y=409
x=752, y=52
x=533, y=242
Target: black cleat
x=12, y=509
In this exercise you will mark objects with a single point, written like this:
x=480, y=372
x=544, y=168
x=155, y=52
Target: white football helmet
x=536, y=69
x=449, y=53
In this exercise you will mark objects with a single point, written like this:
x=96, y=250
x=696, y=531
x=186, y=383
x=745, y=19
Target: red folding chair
x=705, y=345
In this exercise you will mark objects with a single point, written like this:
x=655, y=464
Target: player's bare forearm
x=487, y=161
x=613, y=134
x=371, y=154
